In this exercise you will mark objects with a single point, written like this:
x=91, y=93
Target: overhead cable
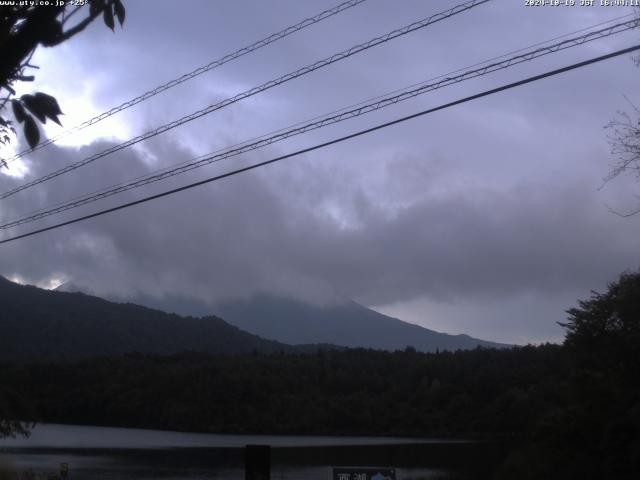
x=198, y=71
x=265, y=86
x=321, y=122
x=532, y=79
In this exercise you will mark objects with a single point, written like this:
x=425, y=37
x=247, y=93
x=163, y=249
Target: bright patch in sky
x=50, y=284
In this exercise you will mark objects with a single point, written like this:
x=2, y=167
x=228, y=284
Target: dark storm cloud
x=275, y=230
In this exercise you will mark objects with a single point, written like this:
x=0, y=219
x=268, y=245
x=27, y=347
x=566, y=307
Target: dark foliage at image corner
x=25, y=26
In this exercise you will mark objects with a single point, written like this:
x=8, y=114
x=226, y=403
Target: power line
x=322, y=122
x=331, y=142
x=326, y=120
x=265, y=86
x=198, y=71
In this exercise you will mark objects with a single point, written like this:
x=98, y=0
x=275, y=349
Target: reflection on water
x=96, y=453
x=76, y=436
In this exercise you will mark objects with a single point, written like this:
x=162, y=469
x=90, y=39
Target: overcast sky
x=486, y=218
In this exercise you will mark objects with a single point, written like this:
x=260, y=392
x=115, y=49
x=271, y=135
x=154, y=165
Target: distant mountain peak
x=70, y=287
x=348, y=324
x=332, y=319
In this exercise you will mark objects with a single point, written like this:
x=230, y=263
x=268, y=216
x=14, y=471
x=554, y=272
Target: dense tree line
x=594, y=432
x=567, y=419
x=330, y=392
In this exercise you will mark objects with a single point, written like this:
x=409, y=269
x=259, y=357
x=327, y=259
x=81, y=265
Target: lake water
x=100, y=453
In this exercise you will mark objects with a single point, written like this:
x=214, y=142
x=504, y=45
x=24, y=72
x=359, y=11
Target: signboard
x=362, y=473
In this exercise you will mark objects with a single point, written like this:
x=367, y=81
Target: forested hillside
x=330, y=392
x=43, y=324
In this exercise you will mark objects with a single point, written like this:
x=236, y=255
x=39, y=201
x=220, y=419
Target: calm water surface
x=100, y=453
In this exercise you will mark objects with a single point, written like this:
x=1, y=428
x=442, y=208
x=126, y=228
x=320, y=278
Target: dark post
x=257, y=462
x=64, y=471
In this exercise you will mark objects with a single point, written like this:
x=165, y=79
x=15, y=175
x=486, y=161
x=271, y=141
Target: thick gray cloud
x=485, y=218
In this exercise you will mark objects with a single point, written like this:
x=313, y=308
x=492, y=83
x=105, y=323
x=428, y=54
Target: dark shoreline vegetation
x=351, y=392
x=567, y=411
x=538, y=398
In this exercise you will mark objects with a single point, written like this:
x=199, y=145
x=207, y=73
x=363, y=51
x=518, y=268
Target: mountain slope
x=345, y=323
x=44, y=324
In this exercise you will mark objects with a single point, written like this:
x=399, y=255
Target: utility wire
x=331, y=142
x=265, y=86
x=320, y=123
x=198, y=71
x=512, y=52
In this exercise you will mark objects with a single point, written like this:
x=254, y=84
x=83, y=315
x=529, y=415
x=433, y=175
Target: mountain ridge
x=343, y=322
x=44, y=324
x=349, y=324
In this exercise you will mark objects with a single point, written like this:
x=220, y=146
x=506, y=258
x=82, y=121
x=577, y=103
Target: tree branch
x=77, y=28
x=31, y=33
x=66, y=17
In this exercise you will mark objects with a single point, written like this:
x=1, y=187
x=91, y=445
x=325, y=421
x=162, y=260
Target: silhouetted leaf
x=108, y=17
x=18, y=111
x=35, y=106
x=52, y=107
x=47, y=105
x=95, y=7
x=120, y=11
x=51, y=33
x=31, y=131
